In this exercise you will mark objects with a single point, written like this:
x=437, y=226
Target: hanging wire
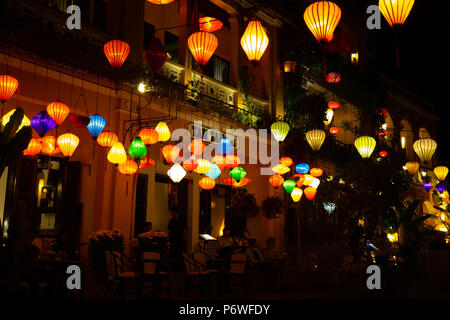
x=45, y=90
x=59, y=85
x=20, y=81
x=33, y=90
x=109, y=108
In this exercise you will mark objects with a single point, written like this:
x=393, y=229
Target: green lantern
x=237, y=174
x=137, y=148
x=289, y=185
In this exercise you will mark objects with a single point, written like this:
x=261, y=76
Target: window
x=218, y=69
x=171, y=46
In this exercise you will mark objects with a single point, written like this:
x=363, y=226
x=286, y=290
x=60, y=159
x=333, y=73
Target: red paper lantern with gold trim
x=58, y=111
x=116, y=51
x=107, y=139
x=8, y=85
x=202, y=46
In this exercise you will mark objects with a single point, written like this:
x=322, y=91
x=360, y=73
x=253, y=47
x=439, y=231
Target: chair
x=150, y=269
x=194, y=276
x=117, y=276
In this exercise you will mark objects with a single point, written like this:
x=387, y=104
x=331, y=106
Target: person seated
x=246, y=235
x=225, y=243
x=253, y=254
x=269, y=252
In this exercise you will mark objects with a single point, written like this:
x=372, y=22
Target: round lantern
x=8, y=85
x=42, y=123
x=395, y=11
x=289, y=185
x=333, y=77
x=96, y=125
x=25, y=121
x=316, y=172
x=310, y=193
x=279, y=130
x=441, y=172
x=334, y=130
x=232, y=161
x=440, y=187
x=383, y=154
x=116, y=51
x=220, y=161
x=276, y=180
x=197, y=147
x=315, y=138
x=281, y=169
x=202, y=46
x=427, y=186
x=176, y=173
x=365, y=146
x=58, y=111
x=302, y=168
x=137, y=148
x=160, y=1
x=68, y=143
x=322, y=17
x=207, y=183
x=209, y=24
x=425, y=149
x=287, y=161
x=34, y=147
x=170, y=153
x=148, y=136
x=128, y=167
x=254, y=41
x=203, y=166
x=300, y=180
x=333, y=105
x=163, y=132
x=155, y=55
x=308, y=179
x=190, y=164
x=213, y=172
x=224, y=146
x=117, y=154
x=146, y=162
x=238, y=173
x=328, y=117
x=107, y=139
x=48, y=144
x=412, y=167
x=296, y=194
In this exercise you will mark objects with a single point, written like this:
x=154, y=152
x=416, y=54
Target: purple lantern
x=42, y=123
x=427, y=186
x=440, y=187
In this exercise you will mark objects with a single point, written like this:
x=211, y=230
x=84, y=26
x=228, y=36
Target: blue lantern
x=42, y=123
x=224, y=146
x=213, y=172
x=440, y=187
x=427, y=186
x=302, y=168
x=96, y=125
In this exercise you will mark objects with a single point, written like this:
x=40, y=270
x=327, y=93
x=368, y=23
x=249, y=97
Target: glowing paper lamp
x=176, y=173
x=296, y=194
x=316, y=172
x=333, y=77
x=160, y=1
x=224, y=146
x=146, y=162
x=7, y=117
x=322, y=17
x=197, y=147
x=281, y=169
x=334, y=130
x=276, y=180
x=383, y=154
x=137, y=148
x=287, y=161
x=58, y=111
x=289, y=66
x=308, y=179
x=220, y=161
x=427, y=186
x=289, y=185
x=310, y=193
x=209, y=24
x=254, y=41
x=48, y=144
x=441, y=172
x=68, y=143
x=190, y=164
x=128, y=167
x=79, y=121
x=425, y=149
x=333, y=105
x=412, y=167
x=155, y=55
x=302, y=168
x=42, y=123
x=237, y=174
x=232, y=161
x=300, y=180
x=202, y=46
x=170, y=153
x=149, y=136
x=395, y=11
x=163, y=132
x=315, y=138
x=96, y=125
x=214, y=171
x=245, y=181
x=207, y=183
x=328, y=117
x=365, y=146
x=203, y=166
x=440, y=187
x=107, y=139
x=8, y=85
x=117, y=154
x=34, y=147
x=315, y=183
x=279, y=130
x=116, y=51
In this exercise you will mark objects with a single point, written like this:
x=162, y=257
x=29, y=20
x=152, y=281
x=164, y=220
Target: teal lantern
x=289, y=185
x=137, y=148
x=214, y=172
x=237, y=174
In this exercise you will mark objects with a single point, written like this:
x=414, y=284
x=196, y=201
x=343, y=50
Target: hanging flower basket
x=272, y=207
x=243, y=204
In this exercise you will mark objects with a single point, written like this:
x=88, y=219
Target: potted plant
x=272, y=207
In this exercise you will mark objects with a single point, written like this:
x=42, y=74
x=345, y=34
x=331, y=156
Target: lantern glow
x=48, y=144
x=333, y=105
x=281, y=169
x=287, y=161
x=322, y=17
x=163, y=132
x=302, y=168
x=8, y=85
x=238, y=174
x=224, y=146
x=412, y=167
x=365, y=146
x=170, y=153
x=395, y=11
x=207, y=183
x=202, y=46
x=289, y=186
x=58, y=111
x=149, y=136
x=116, y=51
x=107, y=139
x=137, y=148
x=129, y=167
x=276, y=180
x=315, y=138
x=190, y=164
x=334, y=130
x=34, y=147
x=197, y=147
x=232, y=161
x=96, y=125
x=117, y=154
x=425, y=149
x=310, y=193
x=213, y=172
x=146, y=162
x=296, y=194
x=254, y=41
x=42, y=123
x=316, y=172
x=279, y=130
x=176, y=173
x=203, y=166
x=209, y=24
x=441, y=172
x=68, y=143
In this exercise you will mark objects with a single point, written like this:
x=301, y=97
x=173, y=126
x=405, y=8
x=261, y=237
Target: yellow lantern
x=412, y=167
x=322, y=17
x=315, y=138
x=296, y=194
x=392, y=237
x=328, y=117
x=117, y=154
x=280, y=130
x=25, y=121
x=203, y=166
x=163, y=131
x=309, y=179
x=254, y=41
x=68, y=142
x=281, y=169
x=425, y=149
x=365, y=146
x=441, y=172
x=395, y=11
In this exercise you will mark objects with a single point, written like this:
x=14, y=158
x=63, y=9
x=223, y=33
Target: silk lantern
x=279, y=130
x=68, y=143
x=333, y=105
x=441, y=172
x=116, y=51
x=310, y=193
x=281, y=169
x=170, y=153
x=224, y=146
x=365, y=146
x=146, y=162
x=412, y=167
x=117, y=154
x=254, y=41
x=163, y=131
x=316, y=172
x=213, y=172
x=149, y=136
x=289, y=185
x=190, y=164
x=232, y=161
x=8, y=85
x=176, y=173
x=129, y=167
x=238, y=173
x=315, y=138
x=196, y=147
x=334, y=130
x=96, y=125
x=276, y=180
x=302, y=168
x=333, y=77
x=58, y=111
x=203, y=166
x=207, y=183
x=34, y=147
x=202, y=46
x=296, y=194
x=220, y=161
x=322, y=17
x=48, y=144
x=287, y=161
x=425, y=149
x=395, y=11
x=42, y=123
x=107, y=139
x=137, y=148
x=209, y=24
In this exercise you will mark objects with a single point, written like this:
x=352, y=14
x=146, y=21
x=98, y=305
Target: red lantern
x=276, y=180
x=310, y=193
x=232, y=161
x=79, y=121
x=48, y=144
x=197, y=147
x=334, y=130
x=202, y=46
x=155, y=55
x=382, y=133
x=190, y=164
x=209, y=24
x=107, y=139
x=383, y=154
x=8, y=85
x=170, y=153
x=207, y=183
x=146, y=162
x=58, y=111
x=128, y=167
x=286, y=161
x=149, y=136
x=333, y=105
x=34, y=147
x=333, y=77
x=220, y=161
x=68, y=143
x=316, y=172
x=300, y=180
x=244, y=181
x=116, y=51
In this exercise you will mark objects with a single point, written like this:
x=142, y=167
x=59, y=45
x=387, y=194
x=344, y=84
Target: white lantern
x=176, y=173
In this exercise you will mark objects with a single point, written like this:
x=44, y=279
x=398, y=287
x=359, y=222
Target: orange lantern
x=207, y=183
x=333, y=105
x=244, y=181
x=316, y=172
x=209, y=24
x=197, y=147
x=160, y=1
x=170, y=153
x=220, y=161
x=34, y=147
x=56, y=150
x=276, y=180
x=8, y=85
x=146, y=162
x=254, y=41
x=48, y=144
x=190, y=164
x=310, y=193
x=333, y=77
x=300, y=180
x=107, y=139
x=232, y=161
x=334, y=130
x=128, y=167
x=116, y=51
x=202, y=46
x=287, y=161
x=68, y=142
x=149, y=136
x=395, y=11
x=322, y=17
x=58, y=111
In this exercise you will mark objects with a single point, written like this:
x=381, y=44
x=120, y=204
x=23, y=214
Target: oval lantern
x=310, y=193
x=316, y=172
x=412, y=167
x=238, y=174
x=170, y=153
x=107, y=139
x=287, y=161
x=383, y=153
x=207, y=183
x=203, y=166
x=163, y=131
x=254, y=41
x=334, y=130
x=333, y=77
x=79, y=121
x=315, y=183
x=190, y=164
x=302, y=168
x=25, y=121
x=300, y=180
x=322, y=17
x=213, y=172
x=96, y=125
x=160, y=1
x=149, y=136
x=128, y=167
x=8, y=85
x=395, y=11
x=276, y=180
x=137, y=148
x=34, y=147
x=296, y=194
x=116, y=51
x=365, y=146
x=315, y=139
x=48, y=144
x=279, y=130
x=176, y=173
x=333, y=105
x=224, y=146
x=202, y=46
x=441, y=172
x=328, y=117
x=289, y=185
x=146, y=162
x=232, y=161
x=68, y=143
x=209, y=24
x=155, y=55
x=196, y=147
x=425, y=149
x=117, y=154
x=281, y=169
x=58, y=111
x=308, y=179
x=220, y=161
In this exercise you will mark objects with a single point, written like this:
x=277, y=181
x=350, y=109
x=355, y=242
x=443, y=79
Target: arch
x=390, y=129
x=424, y=134
x=407, y=138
